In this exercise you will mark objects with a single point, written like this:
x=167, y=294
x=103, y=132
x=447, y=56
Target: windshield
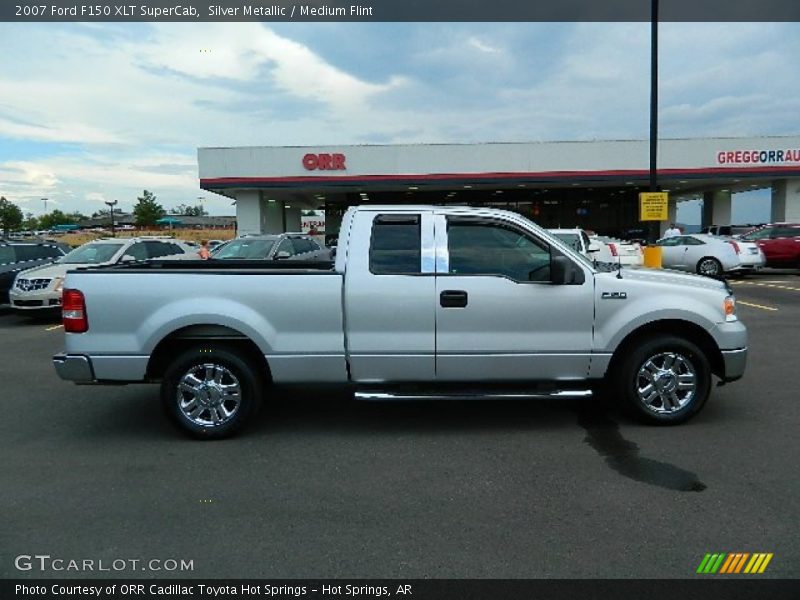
x=245, y=248
x=91, y=254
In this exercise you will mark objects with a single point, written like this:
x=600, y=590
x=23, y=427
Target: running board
x=540, y=395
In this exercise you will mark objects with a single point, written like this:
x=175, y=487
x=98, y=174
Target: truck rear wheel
x=665, y=380
x=210, y=392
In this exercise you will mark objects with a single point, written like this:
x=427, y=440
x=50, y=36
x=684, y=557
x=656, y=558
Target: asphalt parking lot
x=322, y=486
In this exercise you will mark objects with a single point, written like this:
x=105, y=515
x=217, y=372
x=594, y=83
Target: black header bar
x=396, y=10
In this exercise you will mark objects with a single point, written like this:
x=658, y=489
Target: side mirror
x=560, y=270
x=127, y=259
x=593, y=247
x=282, y=254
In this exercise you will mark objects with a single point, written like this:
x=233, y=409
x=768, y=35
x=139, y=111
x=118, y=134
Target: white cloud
x=138, y=100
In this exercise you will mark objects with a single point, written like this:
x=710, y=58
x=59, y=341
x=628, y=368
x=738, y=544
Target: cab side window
x=396, y=245
x=485, y=248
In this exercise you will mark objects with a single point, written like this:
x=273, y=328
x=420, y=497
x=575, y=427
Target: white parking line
x=761, y=306
x=53, y=328
x=769, y=285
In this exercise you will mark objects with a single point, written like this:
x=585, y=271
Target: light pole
x=45, y=205
x=111, y=206
x=653, y=233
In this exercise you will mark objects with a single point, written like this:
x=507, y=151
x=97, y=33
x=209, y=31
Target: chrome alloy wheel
x=666, y=382
x=209, y=395
x=709, y=267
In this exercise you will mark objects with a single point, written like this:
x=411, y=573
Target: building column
x=248, y=212
x=785, y=201
x=292, y=220
x=717, y=208
x=272, y=218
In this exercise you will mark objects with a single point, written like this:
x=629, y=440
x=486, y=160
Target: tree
x=54, y=218
x=76, y=217
x=10, y=215
x=147, y=211
x=189, y=211
x=308, y=213
x=30, y=223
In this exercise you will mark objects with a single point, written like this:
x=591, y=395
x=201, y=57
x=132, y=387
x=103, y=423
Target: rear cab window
x=396, y=245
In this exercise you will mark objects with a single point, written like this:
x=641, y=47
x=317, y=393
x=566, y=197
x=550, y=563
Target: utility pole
x=653, y=225
x=111, y=206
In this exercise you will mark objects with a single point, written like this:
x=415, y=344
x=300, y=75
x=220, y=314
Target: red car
x=780, y=243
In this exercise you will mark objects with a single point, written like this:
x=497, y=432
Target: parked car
x=422, y=302
x=617, y=251
x=578, y=240
x=39, y=289
x=727, y=230
x=701, y=253
x=780, y=243
x=282, y=246
x=17, y=256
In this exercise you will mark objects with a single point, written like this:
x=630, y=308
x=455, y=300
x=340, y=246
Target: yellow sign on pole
x=653, y=206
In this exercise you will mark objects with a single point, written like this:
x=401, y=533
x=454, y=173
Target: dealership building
x=593, y=184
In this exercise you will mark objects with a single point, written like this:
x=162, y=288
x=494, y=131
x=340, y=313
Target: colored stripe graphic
x=734, y=562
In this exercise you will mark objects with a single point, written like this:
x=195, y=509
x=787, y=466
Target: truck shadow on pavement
x=623, y=456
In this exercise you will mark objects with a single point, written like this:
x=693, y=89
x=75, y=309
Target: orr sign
x=324, y=162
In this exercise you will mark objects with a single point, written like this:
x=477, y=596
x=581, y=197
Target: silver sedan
x=699, y=253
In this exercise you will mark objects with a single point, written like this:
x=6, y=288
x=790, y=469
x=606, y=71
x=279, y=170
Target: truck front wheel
x=210, y=392
x=665, y=380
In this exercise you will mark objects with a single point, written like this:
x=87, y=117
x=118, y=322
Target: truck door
x=498, y=317
x=389, y=298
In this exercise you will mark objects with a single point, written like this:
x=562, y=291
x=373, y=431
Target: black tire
x=220, y=371
x=710, y=267
x=671, y=405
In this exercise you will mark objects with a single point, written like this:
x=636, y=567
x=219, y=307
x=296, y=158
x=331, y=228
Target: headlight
x=729, y=308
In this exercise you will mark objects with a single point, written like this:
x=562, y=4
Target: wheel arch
x=673, y=327
x=194, y=335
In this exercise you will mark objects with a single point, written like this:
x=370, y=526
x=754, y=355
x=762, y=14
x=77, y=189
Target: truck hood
x=669, y=277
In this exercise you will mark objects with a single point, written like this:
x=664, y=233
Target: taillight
x=73, y=310
x=735, y=246
x=613, y=248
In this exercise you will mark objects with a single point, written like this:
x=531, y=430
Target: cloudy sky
x=94, y=112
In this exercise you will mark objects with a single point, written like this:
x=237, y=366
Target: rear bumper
x=74, y=367
x=735, y=362
x=110, y=369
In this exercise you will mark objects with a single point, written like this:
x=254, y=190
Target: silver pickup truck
x=421, y=302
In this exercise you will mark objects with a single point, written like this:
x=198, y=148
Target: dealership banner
x=410, y=589
x=394, y=10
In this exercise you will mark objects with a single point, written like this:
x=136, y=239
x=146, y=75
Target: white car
x=39, y=288
x=617, y=251
x=578, y=240
x=751, y=256
x=703, y=254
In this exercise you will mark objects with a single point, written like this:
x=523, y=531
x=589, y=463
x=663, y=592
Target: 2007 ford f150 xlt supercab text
x=421, y=302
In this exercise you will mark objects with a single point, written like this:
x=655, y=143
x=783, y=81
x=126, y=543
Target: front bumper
x=74, y=367
x=40, y=300
x=734, y=362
